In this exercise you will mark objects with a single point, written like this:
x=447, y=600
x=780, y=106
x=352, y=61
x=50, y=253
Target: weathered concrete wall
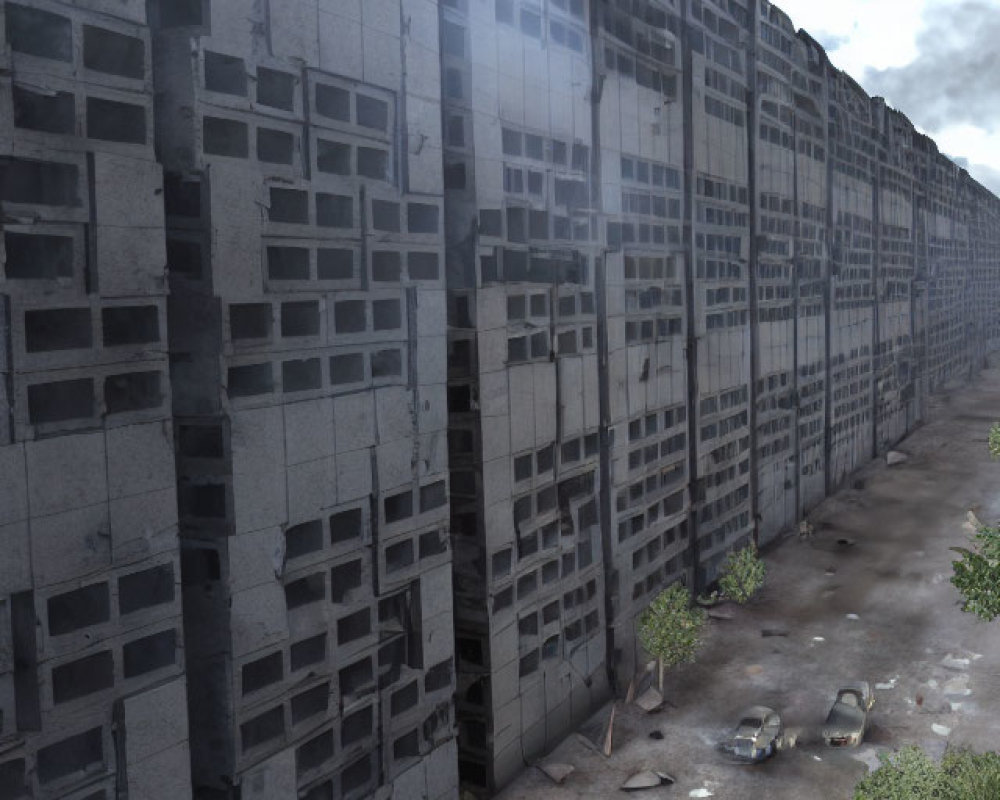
x=92, y=690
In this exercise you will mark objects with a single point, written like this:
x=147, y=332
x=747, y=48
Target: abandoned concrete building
x=369, y=365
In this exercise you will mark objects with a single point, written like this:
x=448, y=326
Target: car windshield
x=749, y=722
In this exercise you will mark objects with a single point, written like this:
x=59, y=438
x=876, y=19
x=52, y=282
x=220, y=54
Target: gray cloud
x=954, y=77
x=987, y=176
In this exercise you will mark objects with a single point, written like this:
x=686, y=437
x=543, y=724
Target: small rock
x=852, y=616
x=894, y=457
x=647, y=779
x=754, y=669
x=940, y=730
x=818, y=639
x=889, y=684
x=658, y=735
x=702, y=792
x=955, y=706
x=555, y=771
x=650, y=700
x=957, y=686
x=950, y=662
x=817, y=758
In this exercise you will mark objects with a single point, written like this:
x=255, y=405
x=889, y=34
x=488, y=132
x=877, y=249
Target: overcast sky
x=937, y=61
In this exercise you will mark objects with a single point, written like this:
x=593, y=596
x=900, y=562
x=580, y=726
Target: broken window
x=432, y=496
x=303, y=539
x=356, y=678
x=48, y=112
x=386, y=315
x=386, y=265
x=300, y=318
x=422, y=266
x=225, y=74
x=46, y=183
x=372, y=112
x=349, y=316
x=57, y=329
x=354, y=626
x=398, y=556
x=133, y=391
x=404, y=699
x=310, y=703
x=79, y=608
x=333, y=102
x=225, y=137
x=385, y=216
x=334, y=210
x=307, y=652
x=250, y=321
x=288, y=263
x=275, y=89
x=147, y=588
x=77, y=753
x=333, y=157
x=314, y=752
x=112, y=121
x=345, y=526
x=149, y=653
x=356, y=726
x=39, y=33
x=60, y=401
x=344, y=578
x=387, y=363
x=37, y=257
x=399, y=506
x=310, y=589
x=82, y=677
x=262, y=672
x=373, y=163
x=130, y=325
x=262, y=728
x=113, y=53
x=288, y=205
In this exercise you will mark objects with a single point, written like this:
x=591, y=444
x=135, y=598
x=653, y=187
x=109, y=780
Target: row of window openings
x=537, y=148
x=721, y=190
x=713, y=269
x=649, y=268
x=530, y=23
x=518, y=308
x=301, y=375
x=644, y=74
x=55, y=112
x=550, y=649
x=644, y=520
x=301, y=318
x=724, y=426
x=654, y=452
x=666, y=478
x=71, y=328
x=649, y=552
x=64, y=401
x=231, y=138
x=36, y=32
x=654, y=205
x=337, y=211
x=624, y=233
x=726, y=294
x=491, y=224
x=729, y=319
x=525, y=348
x=660, y=576
x=571, y=600
x=543, y=460
x=651, y=298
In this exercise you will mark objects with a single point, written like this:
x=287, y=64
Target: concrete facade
x=406, y=349
x=92, y=688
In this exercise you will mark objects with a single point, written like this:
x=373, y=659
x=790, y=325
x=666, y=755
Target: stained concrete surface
x=909, y=634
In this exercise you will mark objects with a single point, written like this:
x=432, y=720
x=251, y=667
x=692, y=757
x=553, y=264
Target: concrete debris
x=702, y=792
x=754, y=669
x=957, y=686
x=941, y=730
x=817, y=758
x=650, y=700
x=609, y=735
x=951, y=662
x=852, y=616
x=889, y=684
x=894, y=457
x=656, y=735
x=955, y=706
x=555, y=771
x=647, y=779
x=819, y=639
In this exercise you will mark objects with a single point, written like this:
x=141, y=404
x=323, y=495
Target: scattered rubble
x=647, y=779
x=556, y=771
x=894, y=457
x=852, y=616
x=941, y=730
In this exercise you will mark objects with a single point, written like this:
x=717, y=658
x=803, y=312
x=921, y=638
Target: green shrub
x=742, y=574
x=908, y=774
x=670, y=629
x=977, y=574
x=994, y=440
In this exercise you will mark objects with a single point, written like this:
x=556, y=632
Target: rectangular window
x=39, y=33
x=113, y=53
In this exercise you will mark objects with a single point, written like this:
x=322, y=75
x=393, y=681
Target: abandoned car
x=847, y=721
x=757, y=735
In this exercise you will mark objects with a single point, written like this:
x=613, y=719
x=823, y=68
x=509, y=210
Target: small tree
x=670, y=629
x=742, y=574
x=977, y=574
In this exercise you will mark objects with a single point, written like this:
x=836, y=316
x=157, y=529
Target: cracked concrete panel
x=258, y=618
x=140, y=459
x=66, y=472
x=70, y=544
x=309, y=433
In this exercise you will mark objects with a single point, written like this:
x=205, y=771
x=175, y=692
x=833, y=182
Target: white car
x=757, y=735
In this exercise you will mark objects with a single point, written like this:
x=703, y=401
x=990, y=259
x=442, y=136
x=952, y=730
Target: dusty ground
x=894, y=577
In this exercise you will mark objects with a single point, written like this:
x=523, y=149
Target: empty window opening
x=385, y=216
x=345, y=526
x=275, y=147
x=39, y=33
x=225, y=137
x=300, y=318
x=349, y=316
x=307, y=652
x=75, y=754
x=13, y=779
x=356, y=678
x=344, y=579
x=386, y=265
x=275, y=89
x=44, y=183
x=262, y=728
x=333, y=102
x=399, y=506
x=180, y=13
x=303, y=539
x=49, y=112
x=89, y=605
x=133, y=391
x=333, y=157
x=82, y=677
x=372, y=112
x=528, y=626
x=438, y=677
x=60, y=401
x=421, y=218
x=310, y=589
x=262, y=672
x=225, y=74
x=113, y=53
x=181, y=198
x=130, y=325
x=502, y=563
x=398, y=556
x=432, y=543
x=528, y=664
x=422, y=266
x=407, y=746
x=354, y=626
x=115, y=122
x=35, y=257
x=289, y=205
x=313, y=753
x=249, y=380
x=386, y=315
x=322, y=791
x=250, y=321
x=310, y=703
x=404, y=699
x=356, y=726
x=184, y=258
x=151, y=587
x=288, y=263
x=149, y=653
x=356, y=776
x=334, y=210
x=348, y=368
x=200, y=565
x=334, y=264
x=57, y=329
x=205, y=501
x=432, y=496
x=373, y=163
x=387, y=363
x=301, y=375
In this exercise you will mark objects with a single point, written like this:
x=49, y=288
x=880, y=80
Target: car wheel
x=770, y=750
